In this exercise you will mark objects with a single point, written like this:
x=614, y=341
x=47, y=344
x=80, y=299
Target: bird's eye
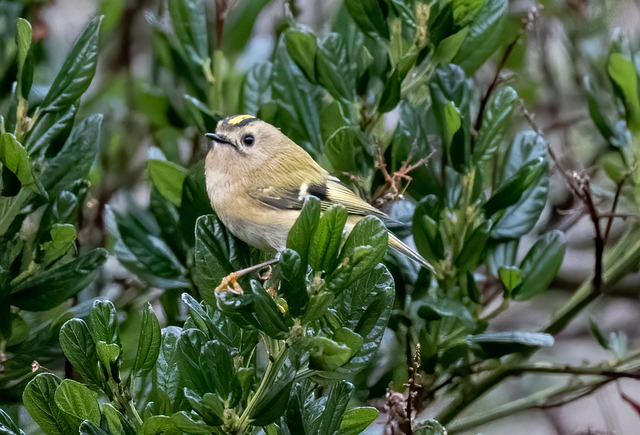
x=248, y=140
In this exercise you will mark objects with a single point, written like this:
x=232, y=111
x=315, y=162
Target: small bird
x=257, y=179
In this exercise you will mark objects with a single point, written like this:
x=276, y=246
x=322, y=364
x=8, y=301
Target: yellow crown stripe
x=235, y=120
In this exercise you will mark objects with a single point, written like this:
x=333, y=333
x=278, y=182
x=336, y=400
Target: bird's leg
x=230, y=282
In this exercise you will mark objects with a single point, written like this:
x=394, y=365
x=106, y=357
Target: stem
x=273, y=368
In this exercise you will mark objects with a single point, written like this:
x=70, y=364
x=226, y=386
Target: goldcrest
x=257, y=179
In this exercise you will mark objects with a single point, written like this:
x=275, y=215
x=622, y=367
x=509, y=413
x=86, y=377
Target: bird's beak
x=219, y=139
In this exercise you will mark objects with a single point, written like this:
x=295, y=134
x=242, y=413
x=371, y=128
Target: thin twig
x=613, y=209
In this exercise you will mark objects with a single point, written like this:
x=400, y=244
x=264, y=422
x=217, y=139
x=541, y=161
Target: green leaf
x=38, y=398
x=219, y=371
x=497, y=344
x=189, y=20
x=512, y=189
x=541, y=265
x=45, y=289
x=215, y=256
x=8, y=426
x=391, y=93
x=187, y=424
x=167, y=378
x=484, y=35
x=496, y=122
x=469, y=257
x=520, y=218
x=89, y=428
x=510, y=277
x=63, y=237
x=293, y=285
x=256, y=87
x=80, y=349
x=302, y=47
x=74, y=160
x=365, y=308
x=148, y=342
x=596, y=110
x=624, y=77
x=116, y=423
x=444, y=308
x=598, y=334
x=344, y=151
x=210, y=407
x=362, y=251
x=168, y=177
x=299, y=100
x=273, y=402
x=238, y=24
x=335, y=407
x=356, y=420
x=302, y=230
x=159, y=424
x=426, y=231
x=76, y=72
x=327, y=354
x=327, y=238
x=104, y=322
x=268, y=315
x=369, y=16
x=49, y=128
x=77, y=402
x=335, y=70
x=25, y=57
x=14, y=156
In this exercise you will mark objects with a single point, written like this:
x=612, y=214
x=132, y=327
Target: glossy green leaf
x=25, y=57
x=215, y=251
x=362, y=251
x=293, y=284
x=495, y=124
x=45, y=289
x=63, y=237
x=512, y=189
x=189, y=21
x=541, y=264
x=335, y=407
x=116, y=423
x=74, y=160
x=167, y=378
x=302, y=230
x=444, y=308
x=356, y=420
x=238, y=24
x=272, y=404
x=49, y=128
x=189, y=425
x=76, y=72
x=104, y=322
x=344, y=151
x=599, y=118
x=168, y=177
x=369, y=16
x=496, y=344
x=77, y=402
x=429, y=427
x=148, y=342
x=327, y=354
x=426, y=231
x=510, y=277
x=159, y=424
x=38, y=398
x=473, y=249
x=484, y=36
x=8, y=426
x=210, y=407
x=624, y=77
x=80, y=349
x=302, y=47
x=256, y=88
x=327, y=238
x=15, y=158
x=219, y=372
x=89, y=428
x=336, y=72
x=391, y=93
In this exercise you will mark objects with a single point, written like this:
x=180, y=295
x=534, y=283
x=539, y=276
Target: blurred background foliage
x=523, y=216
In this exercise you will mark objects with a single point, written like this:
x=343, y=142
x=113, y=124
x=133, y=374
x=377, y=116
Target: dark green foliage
x=297, y=348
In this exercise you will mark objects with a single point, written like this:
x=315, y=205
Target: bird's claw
x=230, y=284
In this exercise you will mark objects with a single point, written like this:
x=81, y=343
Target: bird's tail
x=399, y=246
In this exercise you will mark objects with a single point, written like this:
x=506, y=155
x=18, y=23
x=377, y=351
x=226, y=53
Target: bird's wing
x=330, y=191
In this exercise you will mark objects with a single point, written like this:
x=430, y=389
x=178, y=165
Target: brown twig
x=390, y=190
x=613, y=209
